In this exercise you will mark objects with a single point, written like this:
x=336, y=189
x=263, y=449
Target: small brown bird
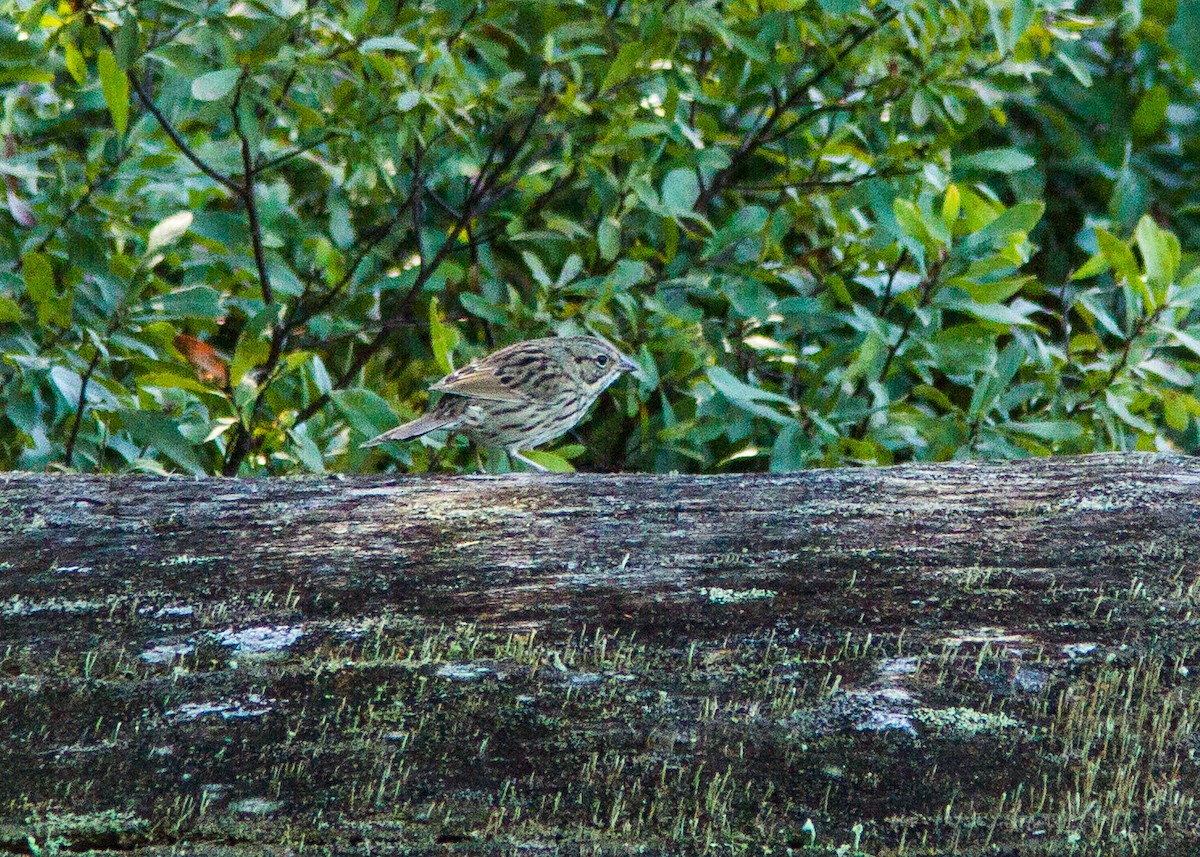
x=521, y=396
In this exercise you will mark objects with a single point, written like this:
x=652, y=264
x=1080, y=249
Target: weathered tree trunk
x=960, y=655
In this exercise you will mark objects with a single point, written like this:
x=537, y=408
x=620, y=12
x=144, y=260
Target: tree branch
x=169, y=129
x=761, y=134
x=69, y=450
x=242, y=442
x=246, y=192
x=374, y=239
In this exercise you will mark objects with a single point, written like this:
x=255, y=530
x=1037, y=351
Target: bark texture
x=938, y=654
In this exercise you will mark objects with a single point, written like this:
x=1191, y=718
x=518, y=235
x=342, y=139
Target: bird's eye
x=602, y=360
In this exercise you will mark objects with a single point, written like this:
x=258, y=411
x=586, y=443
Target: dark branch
x=69, y=451
x=374, y=238
x=241, y=445
x=246, y=192
x=762, y=133
x=169, y=129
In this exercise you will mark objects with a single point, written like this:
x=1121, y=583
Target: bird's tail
x=416, y=428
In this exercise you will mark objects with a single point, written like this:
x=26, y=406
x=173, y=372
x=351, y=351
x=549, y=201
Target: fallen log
x=921, y=657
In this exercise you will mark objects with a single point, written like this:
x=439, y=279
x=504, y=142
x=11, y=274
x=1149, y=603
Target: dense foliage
x=242, y=237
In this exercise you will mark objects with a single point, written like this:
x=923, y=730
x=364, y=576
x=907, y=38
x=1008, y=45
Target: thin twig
x=373, y=240
x=928, y=289
x=241, y=444
x=246, y=192
x=103, y=177
x=69, y=450
x=417, y=209
x=169, y=129
x=762, y=133
x=894, y=269
x=298, y=150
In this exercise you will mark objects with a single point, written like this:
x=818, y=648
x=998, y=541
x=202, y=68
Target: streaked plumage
x=521, y=396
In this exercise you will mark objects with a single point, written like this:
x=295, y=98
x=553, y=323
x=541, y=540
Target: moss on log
x=917, y=659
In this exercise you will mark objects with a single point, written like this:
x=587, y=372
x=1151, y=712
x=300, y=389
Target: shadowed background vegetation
x=241, y=237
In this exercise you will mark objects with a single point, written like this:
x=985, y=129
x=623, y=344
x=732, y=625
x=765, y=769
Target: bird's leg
x=516, y=453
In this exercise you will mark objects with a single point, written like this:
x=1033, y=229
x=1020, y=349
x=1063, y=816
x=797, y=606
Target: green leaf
x=1097, y=264
x=626, y=275
x=126, y=44
x=746, y=396
x=997, y=161
x=69, y=384
x=1120, y=407
x=76, y=66
x=1055, y=431
x=367, y=412
x=10, y=310
x=1119, y=255
x=1077, y=69
x=40, y=286
x=680, y=190
x=1091, y=301
x=934, y=395
x=250, y=352
x=608, y=238
x=917, y=225
x=1185, y=32
x=1020, y=17
x=623, y=65
x=1188, y=341
x=791, y=449
x=839, y=7
x=1013, y=225
x=442, y=338
x=215, y=85
x=549, y=460
x=998, y=313
x=1151, y=113
x=1161, y=253
x=737, y=390
x=480, y=308
x=1175, y=412
x=999, y=31
x=951, y=205
x=996, y=290
x=155, y=429
x=571, y=269
x=920, y=109
x=175, y=380
x=749, y=221
x=320, y=376
x=306, y=449
x=115, y=86
x=537, y=269
x=996, y=380
x=197, y=302
x=387, y=43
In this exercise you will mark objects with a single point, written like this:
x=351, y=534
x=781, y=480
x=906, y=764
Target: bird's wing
x=480, y=381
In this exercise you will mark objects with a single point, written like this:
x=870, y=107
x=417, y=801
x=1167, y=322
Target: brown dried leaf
x=209, y=366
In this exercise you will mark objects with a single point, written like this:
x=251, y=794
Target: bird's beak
x=627, y=364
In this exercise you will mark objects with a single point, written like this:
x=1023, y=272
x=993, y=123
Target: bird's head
x=595, y=363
